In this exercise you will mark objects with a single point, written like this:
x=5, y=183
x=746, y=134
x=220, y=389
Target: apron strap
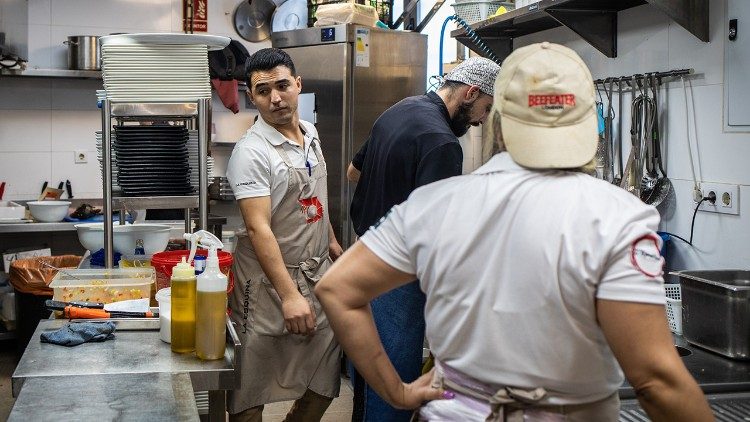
x=507, y=403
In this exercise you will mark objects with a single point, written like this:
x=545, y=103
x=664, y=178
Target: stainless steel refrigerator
x=356, y=73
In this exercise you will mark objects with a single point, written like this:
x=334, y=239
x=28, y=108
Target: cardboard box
x=11, y=255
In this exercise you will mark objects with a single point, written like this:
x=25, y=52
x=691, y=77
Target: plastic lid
x=227, y=233
x=183, y=270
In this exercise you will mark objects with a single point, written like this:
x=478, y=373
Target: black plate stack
x=153, y=160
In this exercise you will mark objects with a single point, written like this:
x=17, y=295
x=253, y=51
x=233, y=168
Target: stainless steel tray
x=716, y=310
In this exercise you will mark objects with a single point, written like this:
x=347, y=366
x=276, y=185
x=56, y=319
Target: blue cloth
x=75, y=333
x=97, y=258
x=96, y=219
x=399, y=318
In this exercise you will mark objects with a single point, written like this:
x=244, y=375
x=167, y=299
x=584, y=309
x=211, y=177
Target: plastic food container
x=11, y=211
x=48, y=211
x=103, y=285
x=164, y=297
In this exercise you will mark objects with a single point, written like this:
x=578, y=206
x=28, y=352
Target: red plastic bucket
x=163, y=262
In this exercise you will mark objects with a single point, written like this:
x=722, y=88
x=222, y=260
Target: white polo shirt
x=512, y=262
x=256, y=169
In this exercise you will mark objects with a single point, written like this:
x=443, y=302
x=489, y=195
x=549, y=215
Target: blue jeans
x=399, y=318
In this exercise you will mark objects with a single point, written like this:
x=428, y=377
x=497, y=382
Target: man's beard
x=461, y=121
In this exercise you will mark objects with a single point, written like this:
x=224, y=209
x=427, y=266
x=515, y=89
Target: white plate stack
x=157, y=67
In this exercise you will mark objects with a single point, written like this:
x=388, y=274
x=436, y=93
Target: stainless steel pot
x=84, y=52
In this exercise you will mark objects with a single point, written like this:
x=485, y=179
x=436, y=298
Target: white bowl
x=91, y=235
x=48, y=211
x=154, y=237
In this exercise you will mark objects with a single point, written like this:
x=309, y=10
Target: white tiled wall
x=649, y=41
x=44, y=121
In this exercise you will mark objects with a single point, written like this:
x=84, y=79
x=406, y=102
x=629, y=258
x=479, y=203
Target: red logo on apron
x=312, y=209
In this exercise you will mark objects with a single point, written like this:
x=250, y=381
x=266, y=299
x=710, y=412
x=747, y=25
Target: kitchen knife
x=2, y=190
x=69, y=188
x=44, y=186
x=60, y=185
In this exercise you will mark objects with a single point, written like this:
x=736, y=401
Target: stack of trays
x=152, y=160
x=157, y=67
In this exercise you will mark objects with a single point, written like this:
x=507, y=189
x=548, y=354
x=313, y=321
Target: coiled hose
x=473, y=36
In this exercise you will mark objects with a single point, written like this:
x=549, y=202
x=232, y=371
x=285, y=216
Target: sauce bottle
x=183, y=307
x=210, y=327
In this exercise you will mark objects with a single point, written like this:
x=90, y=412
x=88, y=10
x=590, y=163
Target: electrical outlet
x=727, y=198
x=81, y=157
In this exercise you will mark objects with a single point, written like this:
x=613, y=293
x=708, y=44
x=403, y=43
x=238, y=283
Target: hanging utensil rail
x=642, y=76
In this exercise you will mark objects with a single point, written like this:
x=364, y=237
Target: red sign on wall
x=198, y=9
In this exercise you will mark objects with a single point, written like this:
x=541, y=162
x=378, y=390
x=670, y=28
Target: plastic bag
x=338, y=13
x=32, y=277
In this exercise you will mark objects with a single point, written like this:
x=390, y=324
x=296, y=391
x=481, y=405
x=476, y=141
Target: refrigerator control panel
x=327, y=34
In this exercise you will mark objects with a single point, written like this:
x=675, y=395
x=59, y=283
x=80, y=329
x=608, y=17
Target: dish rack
x=674, y=307
x=473, y=11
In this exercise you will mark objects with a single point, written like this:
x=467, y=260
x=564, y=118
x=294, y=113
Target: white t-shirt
x=256, y=169
x=512, y=262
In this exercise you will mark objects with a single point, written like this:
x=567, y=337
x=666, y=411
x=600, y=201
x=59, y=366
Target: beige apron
x=509, y=404
x=277, y=365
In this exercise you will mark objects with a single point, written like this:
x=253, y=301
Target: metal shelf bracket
x=597, y=27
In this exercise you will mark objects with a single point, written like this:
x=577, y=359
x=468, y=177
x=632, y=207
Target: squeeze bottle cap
x=183, y=270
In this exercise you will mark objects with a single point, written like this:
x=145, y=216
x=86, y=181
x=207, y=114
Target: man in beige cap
x=539, y=278
x=413, y=143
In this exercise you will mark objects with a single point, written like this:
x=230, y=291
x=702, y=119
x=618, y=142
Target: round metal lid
x=292, y=14
x=252, y=20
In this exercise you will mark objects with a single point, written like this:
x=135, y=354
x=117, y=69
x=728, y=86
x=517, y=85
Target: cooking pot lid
x=252, y=19
x=292, y=14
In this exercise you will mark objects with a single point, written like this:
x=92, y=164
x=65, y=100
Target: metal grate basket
x=674, y=307
x=473, y=11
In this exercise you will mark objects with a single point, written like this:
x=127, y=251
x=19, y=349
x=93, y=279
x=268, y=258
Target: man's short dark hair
x=268, y=59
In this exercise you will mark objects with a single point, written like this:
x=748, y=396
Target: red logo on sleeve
x=646, y=257
x=312, y=209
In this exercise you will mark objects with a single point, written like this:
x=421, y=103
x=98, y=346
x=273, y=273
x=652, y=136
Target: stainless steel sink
x=716, y=310
x=683, y=351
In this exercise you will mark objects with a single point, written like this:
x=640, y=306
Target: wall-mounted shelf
x=593, y=20
x=53, y=73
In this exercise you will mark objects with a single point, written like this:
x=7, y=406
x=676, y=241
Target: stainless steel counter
x=726, y=383
x=126, y=397
x=134, y=350
x=213, y=221
x=714, y=373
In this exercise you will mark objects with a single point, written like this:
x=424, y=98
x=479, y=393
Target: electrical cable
x=711, y=198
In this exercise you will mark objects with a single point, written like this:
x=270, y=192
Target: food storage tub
x=716, y=310
x=103, y=285
x=11, y=211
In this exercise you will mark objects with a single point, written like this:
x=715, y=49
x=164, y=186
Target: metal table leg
x=217, y=406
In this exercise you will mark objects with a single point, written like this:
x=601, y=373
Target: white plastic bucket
x=164, y=297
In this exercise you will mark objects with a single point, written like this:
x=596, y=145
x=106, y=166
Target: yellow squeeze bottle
x=183, y=307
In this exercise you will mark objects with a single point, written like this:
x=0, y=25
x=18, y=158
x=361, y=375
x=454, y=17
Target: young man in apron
x=278, y=175
x=539, y=278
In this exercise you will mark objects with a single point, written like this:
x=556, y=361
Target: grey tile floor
x=339, y=411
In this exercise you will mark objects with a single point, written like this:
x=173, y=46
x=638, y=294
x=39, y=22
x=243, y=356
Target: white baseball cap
x=547, y=105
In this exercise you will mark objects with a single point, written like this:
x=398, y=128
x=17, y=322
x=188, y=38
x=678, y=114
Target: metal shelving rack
x=595, y=21
x=195, y=113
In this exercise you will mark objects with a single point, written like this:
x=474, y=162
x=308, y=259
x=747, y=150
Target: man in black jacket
x=413, y=143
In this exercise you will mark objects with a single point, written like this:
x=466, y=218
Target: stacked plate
x=192, y=149
x=157, y=67
x=115, y=185
x=152, y=160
